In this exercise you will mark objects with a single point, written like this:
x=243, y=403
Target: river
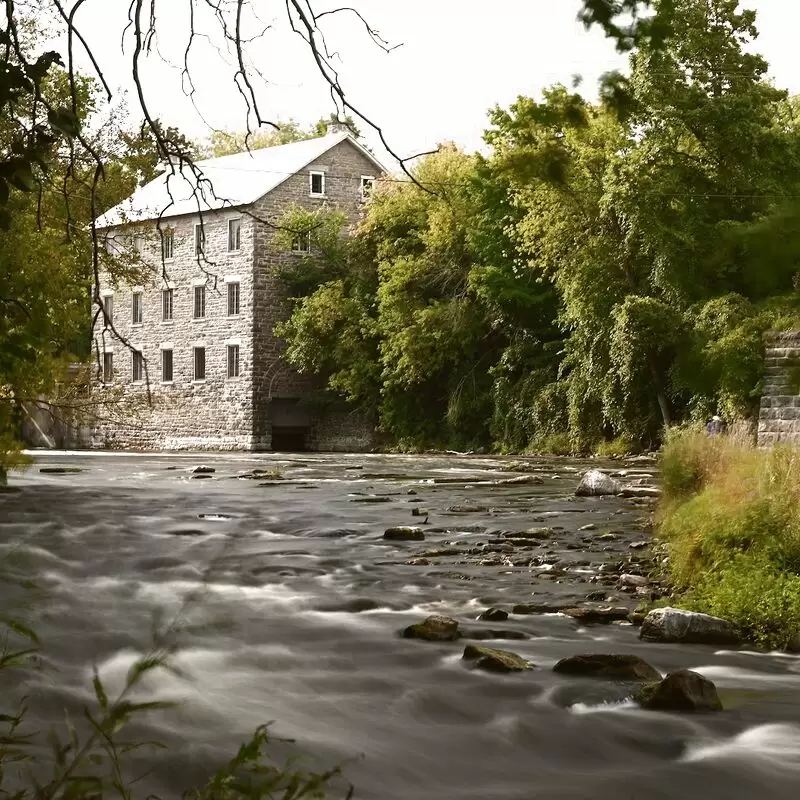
x=289, y=603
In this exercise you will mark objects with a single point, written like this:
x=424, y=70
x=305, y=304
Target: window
x=317, y=184
x=301, y=242
x=199, y=302
x=112, y=246
x=367, y=182
x=166, y=366
x=108, y=367
x=137, y=308
x=137, y=371
x=168, y=244
x=199, y=363
x=138, y=244
x=234, y=235
x=233, y=298
x=108, y=308
x=166, y=304
x=199, y=239
x=233, y=360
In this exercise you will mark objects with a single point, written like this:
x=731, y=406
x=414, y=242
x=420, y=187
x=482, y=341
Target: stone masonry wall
x=343, y=166
x=218, y=412
x=779, y=416
x=215, y=413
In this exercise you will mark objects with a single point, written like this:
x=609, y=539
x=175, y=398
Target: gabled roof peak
x=228, y=181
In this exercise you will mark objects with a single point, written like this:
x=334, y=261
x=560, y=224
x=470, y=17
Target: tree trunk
x=658, y=385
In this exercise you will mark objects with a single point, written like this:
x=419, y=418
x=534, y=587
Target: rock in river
x=495, y=660
x=595, y=483
x=203, y=470
x=494, y=615
x=601, y=615
x=615, y=667
x=683, y=690
x=404, y=534
x=676, y=625
x=435, y=628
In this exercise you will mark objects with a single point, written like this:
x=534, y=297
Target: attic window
x=366, y=186
x=316, y=184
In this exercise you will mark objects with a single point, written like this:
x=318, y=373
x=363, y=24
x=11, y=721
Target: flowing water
x=289, y=604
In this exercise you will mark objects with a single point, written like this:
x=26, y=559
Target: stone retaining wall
x=779, y=416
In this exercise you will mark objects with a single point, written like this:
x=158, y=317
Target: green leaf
x=20, y=628
x=100, y=692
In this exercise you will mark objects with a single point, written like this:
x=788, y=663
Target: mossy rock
x=491, y=660
x=404, y=534
x=436, y=628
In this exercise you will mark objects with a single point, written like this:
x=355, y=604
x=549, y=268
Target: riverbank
x=730, y=516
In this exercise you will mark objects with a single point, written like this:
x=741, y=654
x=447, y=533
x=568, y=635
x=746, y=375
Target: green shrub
x=619, y=447
x=557, y=444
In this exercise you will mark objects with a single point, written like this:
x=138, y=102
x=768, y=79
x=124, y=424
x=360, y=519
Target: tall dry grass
x=731, y=518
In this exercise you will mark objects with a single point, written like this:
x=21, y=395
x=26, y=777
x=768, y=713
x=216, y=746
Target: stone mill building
x=197, y=331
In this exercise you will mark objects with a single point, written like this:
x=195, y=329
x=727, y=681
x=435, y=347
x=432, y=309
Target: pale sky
x=458, y=59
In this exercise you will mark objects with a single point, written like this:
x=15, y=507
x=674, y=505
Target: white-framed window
x=166, y=365
x=301, y=242
x=199, y=363
x=138, y=243
x=167, y=304
x=137, y=312
x=234, y=235
x=234, y=298
x=199, y=239
x=199, y=309
x=367, y=182
x=316, y=183
x=168, y=244
x=108, y=308
x=137, y=366
x=108, y=367
x=233, y=360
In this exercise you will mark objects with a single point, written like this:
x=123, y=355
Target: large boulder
x=683, y=690
x=435, y=628
x=595, y=483
x=494, y=660
x=676, y=625
x=602, y=665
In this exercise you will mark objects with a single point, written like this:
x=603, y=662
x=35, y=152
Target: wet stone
x=531, y=533
x=494, y=615
x=59, y=470
x=371, y=499
x=404, y=534
x=482, y=634
x=684, y=690
x=611, y=666
x=597, y=616
x=492, y=660
x=467, y=509
x=435, y=628
x=419, y=512
x=203, y=470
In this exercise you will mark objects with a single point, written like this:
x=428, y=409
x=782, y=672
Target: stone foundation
x=779, y=415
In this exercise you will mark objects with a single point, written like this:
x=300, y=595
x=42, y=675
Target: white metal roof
x=229, y=181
